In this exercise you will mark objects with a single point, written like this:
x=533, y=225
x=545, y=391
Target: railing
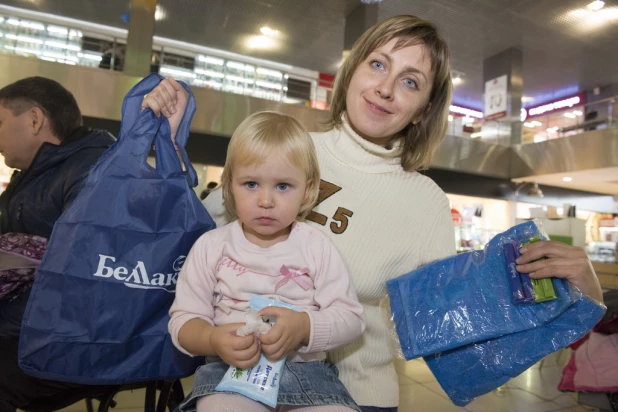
x=600, y=114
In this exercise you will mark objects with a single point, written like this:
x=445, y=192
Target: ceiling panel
x=599, y=180
x=565, y=49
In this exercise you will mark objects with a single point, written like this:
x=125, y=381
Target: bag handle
x=131, y=108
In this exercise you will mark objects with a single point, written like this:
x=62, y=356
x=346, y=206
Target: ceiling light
x=25, y=39
x=240, y=66
x=272, y=73
x=261, y=42
x=536, y=123
x=526, y=99
x=92, y=57
x=175, y=72
x=57, y=30
x=160, y=13
x=210, y=73
x=35, y=26
x=210, y=60
x=467, y=112
x=456, y=80
x=523, y=115
x=450, y=117
x=267, y=31
x=210, y=83
x=567, y=179
x=60, y=56
x=268, y=85
x=239, y=79
x=577, y=113
x=475, y=135
x=23, y=50
x=62, y=45
x=596, y=5
x=530, y=125
x=569, y=115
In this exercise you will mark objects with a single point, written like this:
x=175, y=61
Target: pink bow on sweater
x=295, y=275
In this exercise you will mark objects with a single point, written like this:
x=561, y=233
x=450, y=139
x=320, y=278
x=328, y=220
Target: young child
x=270, y=182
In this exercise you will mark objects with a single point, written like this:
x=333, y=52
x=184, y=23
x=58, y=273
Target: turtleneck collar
x=358, y=153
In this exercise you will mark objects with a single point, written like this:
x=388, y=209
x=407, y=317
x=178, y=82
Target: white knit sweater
x=385, y=222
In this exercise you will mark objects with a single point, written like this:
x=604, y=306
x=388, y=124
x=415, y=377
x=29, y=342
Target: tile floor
x=532, y=391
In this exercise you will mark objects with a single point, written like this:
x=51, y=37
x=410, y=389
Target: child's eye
x=283, y=186
x=251, y=185
x=377, y=64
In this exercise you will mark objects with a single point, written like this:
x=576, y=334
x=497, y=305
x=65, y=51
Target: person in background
x=388, y=116
x=42, y=136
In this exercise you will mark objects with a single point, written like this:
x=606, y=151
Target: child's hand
x=290, y=331
x=170, y=99
x=562, y=261
x=240, y=351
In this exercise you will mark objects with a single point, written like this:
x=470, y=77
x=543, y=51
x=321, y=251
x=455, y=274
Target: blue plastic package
x=466, y=298
x=461, y=315
x=470, y=371
x=261, y=382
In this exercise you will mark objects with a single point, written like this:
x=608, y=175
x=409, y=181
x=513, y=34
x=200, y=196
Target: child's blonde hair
x=267, y=134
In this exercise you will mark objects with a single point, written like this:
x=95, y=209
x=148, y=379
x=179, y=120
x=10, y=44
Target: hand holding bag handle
x=131, y=109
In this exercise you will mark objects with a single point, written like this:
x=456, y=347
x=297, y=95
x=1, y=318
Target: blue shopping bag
x=98, y=310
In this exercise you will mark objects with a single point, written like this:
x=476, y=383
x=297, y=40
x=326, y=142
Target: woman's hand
x=562, y=261
x=170, y=99
x=290, y=331
x=240, y=351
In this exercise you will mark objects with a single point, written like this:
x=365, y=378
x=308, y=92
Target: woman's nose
x=384, y=89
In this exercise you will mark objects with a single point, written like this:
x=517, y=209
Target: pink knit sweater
x=224, y=269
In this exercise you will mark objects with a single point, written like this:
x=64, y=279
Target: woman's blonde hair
x=420, y=140
x=266, y=134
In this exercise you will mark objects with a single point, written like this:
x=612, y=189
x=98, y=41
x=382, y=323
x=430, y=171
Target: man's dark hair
x=56, y=103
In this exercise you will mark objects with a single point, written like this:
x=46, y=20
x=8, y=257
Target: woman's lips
x=376, y=108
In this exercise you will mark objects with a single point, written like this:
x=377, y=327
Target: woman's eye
x=251, y=185
x=283, y=186
x=377, y=65
x=410, y=83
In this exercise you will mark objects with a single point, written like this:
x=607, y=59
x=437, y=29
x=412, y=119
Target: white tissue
x=253, y=323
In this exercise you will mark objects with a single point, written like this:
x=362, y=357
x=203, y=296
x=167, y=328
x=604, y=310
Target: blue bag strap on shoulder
x=131, y=108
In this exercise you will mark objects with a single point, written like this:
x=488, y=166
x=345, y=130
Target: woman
x=388, y=116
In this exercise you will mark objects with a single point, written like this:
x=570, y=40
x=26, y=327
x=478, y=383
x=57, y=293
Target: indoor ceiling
x=598, y=180
x=565, y=48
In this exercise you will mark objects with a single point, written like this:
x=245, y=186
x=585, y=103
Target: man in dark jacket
x=41, y=135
